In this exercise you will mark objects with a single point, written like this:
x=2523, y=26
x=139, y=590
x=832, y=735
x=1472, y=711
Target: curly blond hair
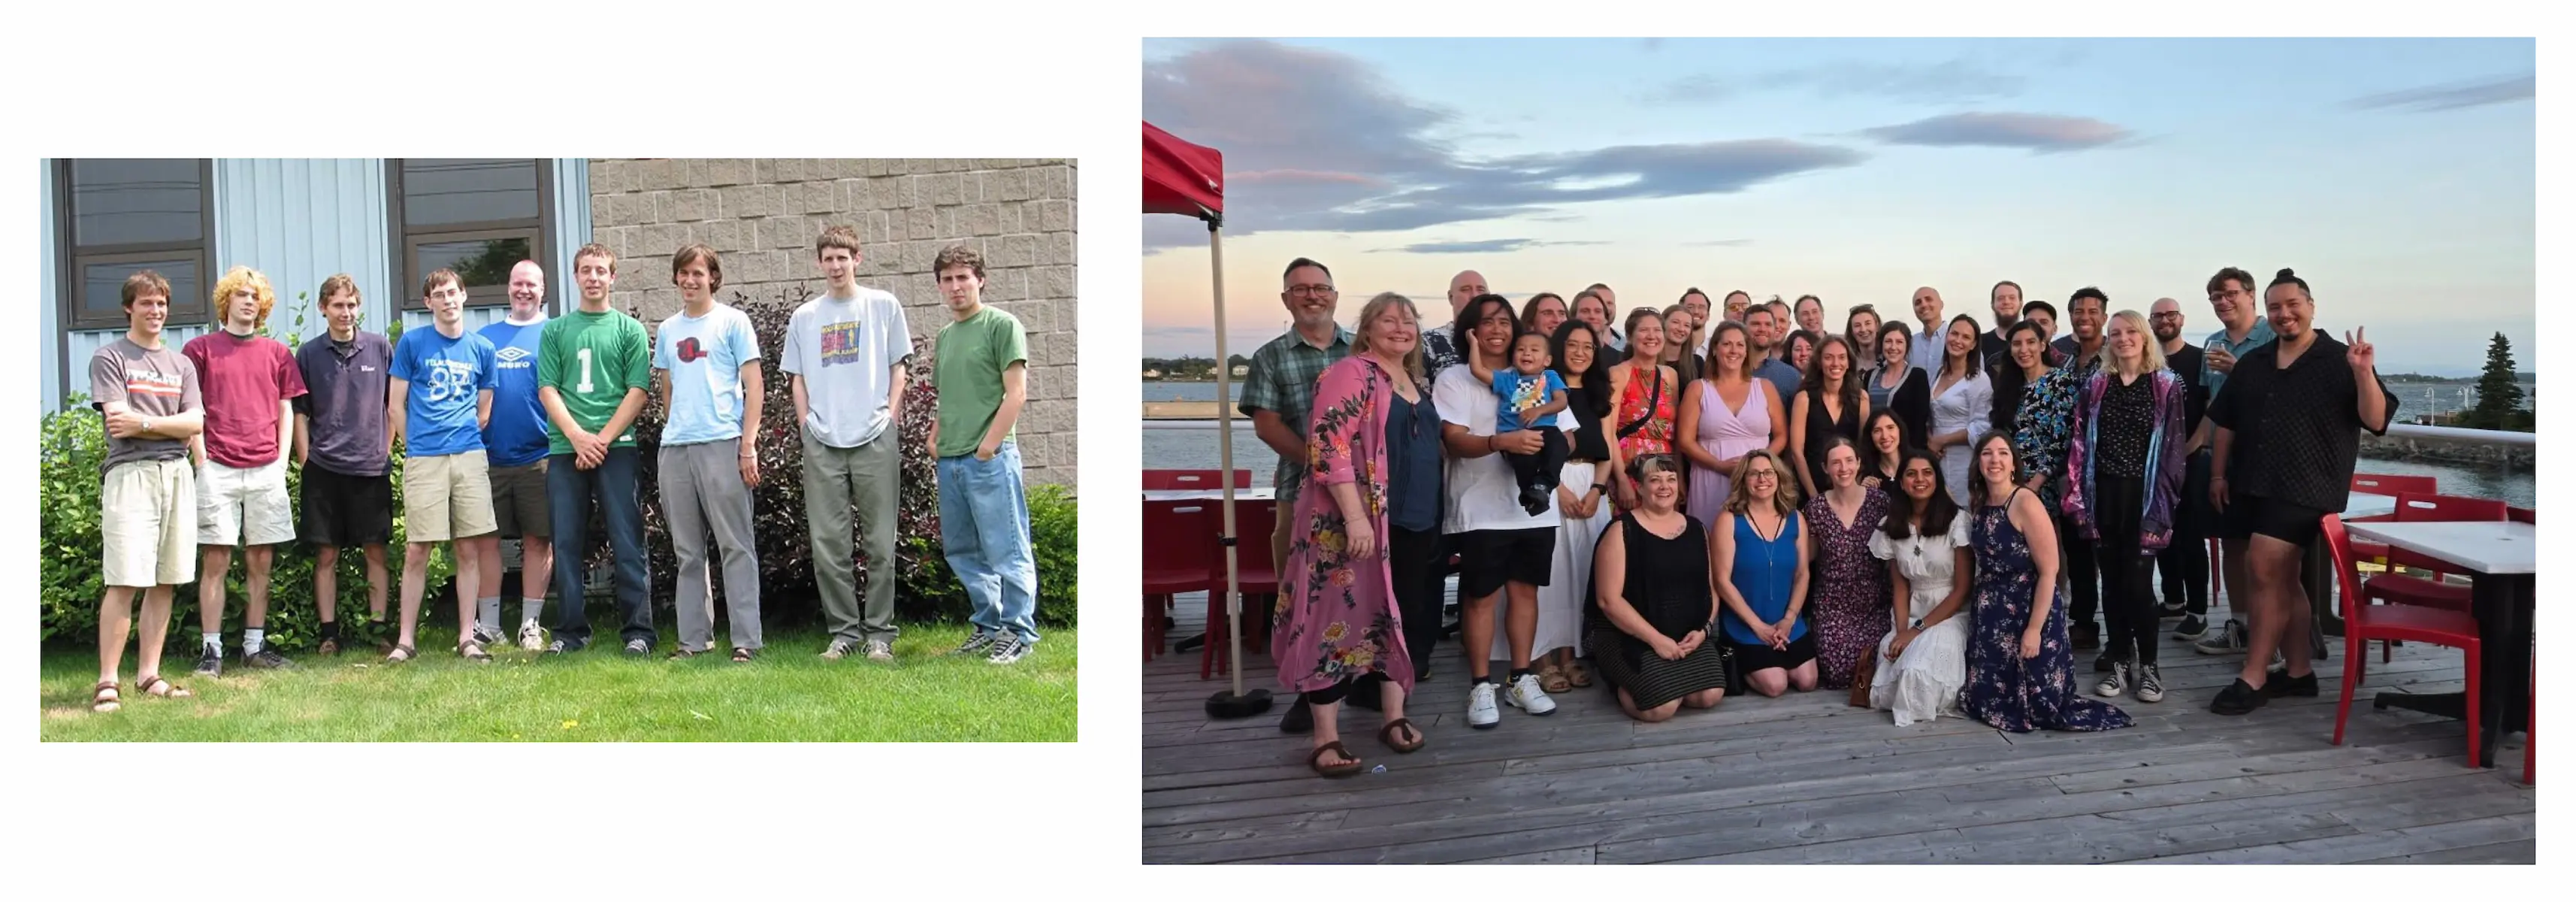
x=237, y=279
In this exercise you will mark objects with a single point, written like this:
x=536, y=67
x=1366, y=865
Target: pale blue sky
x=2396, y=175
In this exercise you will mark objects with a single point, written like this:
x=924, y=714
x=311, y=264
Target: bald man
x=2184, y=565
x=516, y=441
x=1927, y=310
x=1438, y=351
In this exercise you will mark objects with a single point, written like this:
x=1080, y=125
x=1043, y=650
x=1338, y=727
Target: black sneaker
x=2087, y=637
x=267, y=658
x=2236, y=699
x=2192, y=628
x=1300, y=719
x=2280, y=684
x=565, y=647
x=210, y=661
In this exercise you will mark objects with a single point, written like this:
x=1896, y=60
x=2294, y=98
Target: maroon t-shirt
x=243, y=379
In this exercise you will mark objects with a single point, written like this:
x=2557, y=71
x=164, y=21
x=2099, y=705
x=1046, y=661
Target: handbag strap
x=1654, y=399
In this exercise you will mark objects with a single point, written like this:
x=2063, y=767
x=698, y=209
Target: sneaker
x=1005, y=651
x=840, y=648
x=2192, y=628
x=2229, y=641
x=976, y=643
x=486, y=636
x=2117, y=682
x=2236, y=699
x=1300, y=720
x=328, y=648
x=531, y=636
x=561, y=647
x=1527, y=696
x=2151, y=683
x=636, y=648
x=210, y=661
x=268, y=659
x=1481, y=713
x=878, y=650
x=2086, y=636
x=2280, y=684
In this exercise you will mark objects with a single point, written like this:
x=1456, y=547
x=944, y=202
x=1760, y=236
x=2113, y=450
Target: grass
x=597, y=695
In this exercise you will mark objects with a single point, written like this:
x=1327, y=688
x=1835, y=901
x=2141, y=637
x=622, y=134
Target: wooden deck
x=1805, y=779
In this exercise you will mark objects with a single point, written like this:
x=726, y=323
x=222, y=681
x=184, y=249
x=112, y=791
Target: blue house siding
x=50, y=319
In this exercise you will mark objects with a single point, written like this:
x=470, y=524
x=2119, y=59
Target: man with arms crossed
x=250, y=384
x=710, y=362
x=516, y=439
x=344, y=448
x=981, y=368
x=593, y=366
x=848, y=355
x=147, y=500
x=442, y=396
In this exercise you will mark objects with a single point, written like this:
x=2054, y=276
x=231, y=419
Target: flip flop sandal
x=1553, y=680
x=1350, y=763
x=742, y=656
x=104, y=698
x=680, y=653
x=1386, y=734
x=401, y=654
x=156, y=686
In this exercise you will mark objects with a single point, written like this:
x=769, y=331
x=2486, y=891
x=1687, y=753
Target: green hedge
x=926, y=591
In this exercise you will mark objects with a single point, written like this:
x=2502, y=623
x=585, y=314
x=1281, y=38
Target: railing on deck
x=2464, y=436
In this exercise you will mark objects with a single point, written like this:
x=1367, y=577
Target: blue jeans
x=569, y=491
x=984, y=526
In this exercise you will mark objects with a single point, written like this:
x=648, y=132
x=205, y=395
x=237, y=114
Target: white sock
x=528, y=613
x=252, y=639
x=488, y=613
x=215, y=640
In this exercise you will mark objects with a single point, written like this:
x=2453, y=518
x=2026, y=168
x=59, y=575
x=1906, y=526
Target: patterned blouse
x=2042, y=427
x=1656, y=436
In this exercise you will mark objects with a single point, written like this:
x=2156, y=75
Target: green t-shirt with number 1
x=591, y=360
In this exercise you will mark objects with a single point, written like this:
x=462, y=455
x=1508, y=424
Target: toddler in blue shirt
x=1530, y=393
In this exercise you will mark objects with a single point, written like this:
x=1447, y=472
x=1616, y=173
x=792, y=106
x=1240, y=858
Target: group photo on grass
x=810, y=502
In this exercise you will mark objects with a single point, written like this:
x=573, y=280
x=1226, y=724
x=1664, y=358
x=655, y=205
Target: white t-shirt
x=1483, y=494
x=846, y=350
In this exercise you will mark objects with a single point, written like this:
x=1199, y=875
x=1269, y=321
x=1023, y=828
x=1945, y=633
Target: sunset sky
x=2396, y=175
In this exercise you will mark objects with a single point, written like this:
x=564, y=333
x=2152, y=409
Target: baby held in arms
x=1531, y=393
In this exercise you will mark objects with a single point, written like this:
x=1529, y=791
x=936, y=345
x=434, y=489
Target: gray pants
x=702, y=492
x=838, y=480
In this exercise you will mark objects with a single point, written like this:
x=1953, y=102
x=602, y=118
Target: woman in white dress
x=1924, y=661
x=1962, y=400
x=1581, y=498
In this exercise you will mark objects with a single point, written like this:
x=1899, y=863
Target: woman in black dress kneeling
x=1653, y=602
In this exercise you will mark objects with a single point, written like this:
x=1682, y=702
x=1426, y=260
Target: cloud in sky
x=1487, y=246
x=1317, y=141
x=2455, y=96
x=2038, y=133
x=1722, y=242
x=1949, y=81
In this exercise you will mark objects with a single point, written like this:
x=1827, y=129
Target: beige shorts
x=148, y=520
x=447, y=497
x=243, y=506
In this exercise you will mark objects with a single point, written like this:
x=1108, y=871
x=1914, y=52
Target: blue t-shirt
x=1517, y=393
x=516, y=436
x=2256, y=337
x=704, y=356
x=447, y=377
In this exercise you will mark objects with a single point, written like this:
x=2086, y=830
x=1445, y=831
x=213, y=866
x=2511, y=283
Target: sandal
x=157, y=687
x=104, y=700
x=1350, y=763
x=742, y=656
x=400, y=654
x=1553, y=680
x=1386, y=734
x=472, y=650
x=1578, y=674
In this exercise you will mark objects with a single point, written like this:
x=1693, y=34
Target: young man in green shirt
x=593, y=367
x=980, y=366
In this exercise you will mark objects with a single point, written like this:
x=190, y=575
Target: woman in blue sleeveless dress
x=1758, y=544
x=2021, y=674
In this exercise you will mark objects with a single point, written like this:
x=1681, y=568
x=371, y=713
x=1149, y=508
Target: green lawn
x=598, y=694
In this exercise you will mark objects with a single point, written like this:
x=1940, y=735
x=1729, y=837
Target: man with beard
x=2005, y=302
x=2184, y=565
x=1279, y=396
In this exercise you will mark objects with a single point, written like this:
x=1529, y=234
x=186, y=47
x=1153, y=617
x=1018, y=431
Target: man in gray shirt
x=147, y=498
x=847, y=355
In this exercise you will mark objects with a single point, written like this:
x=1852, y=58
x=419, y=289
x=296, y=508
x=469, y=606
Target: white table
x=1262, y=495
x=2368, y=504
x=2502, y=559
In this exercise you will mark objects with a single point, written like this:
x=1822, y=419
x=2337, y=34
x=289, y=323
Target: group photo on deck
x=1657, y=495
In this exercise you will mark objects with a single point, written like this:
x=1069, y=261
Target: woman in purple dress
x=2021, y=674
x=1851, y=594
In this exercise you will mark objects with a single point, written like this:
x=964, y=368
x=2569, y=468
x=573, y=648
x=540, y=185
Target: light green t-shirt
x=591, y=359
x=967, y=369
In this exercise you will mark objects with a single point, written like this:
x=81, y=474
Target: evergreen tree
x=2499, y=394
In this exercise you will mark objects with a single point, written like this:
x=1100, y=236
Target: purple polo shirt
x=348, y=387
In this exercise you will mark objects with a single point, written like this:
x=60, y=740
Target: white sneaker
x=1481, y=713
x=531, y=636
x=2115, y=682
x=1527, y=696
x=2151, y=684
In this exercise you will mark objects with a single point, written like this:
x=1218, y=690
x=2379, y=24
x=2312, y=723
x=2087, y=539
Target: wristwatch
x=1918, y=624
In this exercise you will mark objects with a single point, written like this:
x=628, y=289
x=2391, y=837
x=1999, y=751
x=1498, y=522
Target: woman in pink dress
x=1726, y=414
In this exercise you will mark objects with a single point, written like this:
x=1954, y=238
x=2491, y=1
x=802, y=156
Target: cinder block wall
x=762, y=216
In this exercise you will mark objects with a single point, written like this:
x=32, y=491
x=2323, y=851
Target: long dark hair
x=1870, y=461
x=2009, y=380
x=1937, y=511
x=1529, y=308
x=1814, y=383
x=1977, y=474
x=1595, y=392
x=1464, y=330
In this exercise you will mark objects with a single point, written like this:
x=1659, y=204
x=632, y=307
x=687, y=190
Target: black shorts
x=2253, y=515
x=345, y=511
x=1757, y=656
x=519, y=501
x=1488, y=558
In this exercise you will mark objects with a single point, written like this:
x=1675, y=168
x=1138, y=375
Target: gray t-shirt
x=154, y=383
x=846, y=351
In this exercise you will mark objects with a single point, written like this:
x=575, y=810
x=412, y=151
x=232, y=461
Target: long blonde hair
x=1369, y=313
x=2148, y=347
x=1784, y=496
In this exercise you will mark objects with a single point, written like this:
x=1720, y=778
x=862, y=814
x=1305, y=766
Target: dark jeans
x=2118, y=506
x=1540, y=471
x=1416, y=562
x=569, y=492
x=2184, y=565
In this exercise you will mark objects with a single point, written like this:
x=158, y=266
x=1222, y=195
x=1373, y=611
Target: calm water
x=1190, y=391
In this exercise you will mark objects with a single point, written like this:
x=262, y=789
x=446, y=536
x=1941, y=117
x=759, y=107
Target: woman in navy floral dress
x=2020, y=665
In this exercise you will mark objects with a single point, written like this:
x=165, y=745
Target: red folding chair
x=2392, y=486
x=1192, y=479
x=1256, y=576
x=2364, y=622
x=1176, y=561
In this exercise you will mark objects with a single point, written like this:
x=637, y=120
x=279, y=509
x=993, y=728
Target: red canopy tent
x=1189, y=180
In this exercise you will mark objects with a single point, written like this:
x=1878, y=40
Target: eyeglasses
x=2173, y=315
x=1763, y=474
x=1309, y=291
